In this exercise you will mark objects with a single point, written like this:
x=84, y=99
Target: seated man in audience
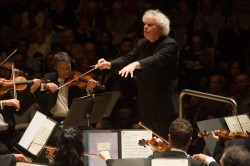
x=180, y=136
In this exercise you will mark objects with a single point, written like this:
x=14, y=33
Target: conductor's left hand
x=129, y=69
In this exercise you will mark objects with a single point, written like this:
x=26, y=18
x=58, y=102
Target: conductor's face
x=151, y=31
x=63, y=69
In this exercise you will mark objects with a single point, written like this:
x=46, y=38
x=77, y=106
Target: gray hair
x=161, y=20
x=61, y=56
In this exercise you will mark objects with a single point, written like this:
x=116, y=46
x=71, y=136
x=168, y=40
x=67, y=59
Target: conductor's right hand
x=51, y=87
x=103, y=64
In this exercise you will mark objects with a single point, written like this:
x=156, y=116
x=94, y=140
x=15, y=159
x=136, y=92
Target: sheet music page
x=102, y=142
x=129, y=144
x=32, y=129
x=233, y=123
x=169, y=162
x=42, y=136
x=245, y=122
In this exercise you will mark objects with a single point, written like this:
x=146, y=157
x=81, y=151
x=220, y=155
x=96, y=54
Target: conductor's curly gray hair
x=161, y=20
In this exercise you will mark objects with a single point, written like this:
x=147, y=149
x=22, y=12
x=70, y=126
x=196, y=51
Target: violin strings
x=76, y=78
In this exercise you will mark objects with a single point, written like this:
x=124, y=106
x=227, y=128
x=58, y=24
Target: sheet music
x=237, y=123
x=129, y=144
x=41, y=136
x=245, y=122
x=169, y=162
x=102, y=142
x=233, y=124
x=30, y=132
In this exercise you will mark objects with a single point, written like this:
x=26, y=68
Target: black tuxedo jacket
x=47, y=100
x=7, y=160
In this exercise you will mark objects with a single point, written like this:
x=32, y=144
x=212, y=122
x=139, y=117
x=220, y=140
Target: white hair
x=161, y=20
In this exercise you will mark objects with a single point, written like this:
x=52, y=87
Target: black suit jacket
x=175, y=154
x=157, y=81
x=47, y=100
x=7, y=160
x=26, y=100
x=220, y=146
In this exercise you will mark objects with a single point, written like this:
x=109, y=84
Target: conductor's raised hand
x=129, y=69
x=103, y=64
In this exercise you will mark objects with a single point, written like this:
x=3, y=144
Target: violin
x=226, y=135
x=80, y=80
x=6, y=70
x=51, y=152
x=20, y=82
x=159, y=146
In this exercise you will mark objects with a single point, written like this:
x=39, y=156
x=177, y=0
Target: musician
x=233, y=155
x=70, y=148
x=179, y=138
x=154, y=61
x=11, y=159
x=10, y=106
x=55, y=103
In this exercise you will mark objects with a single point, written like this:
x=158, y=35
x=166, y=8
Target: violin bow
x=13, y=80
x=55, y=148
x=140, y=123
x=8, y=57
x=76, y=78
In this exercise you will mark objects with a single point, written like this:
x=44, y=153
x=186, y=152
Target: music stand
x=90, y=109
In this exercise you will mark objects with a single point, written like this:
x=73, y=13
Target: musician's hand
x=51, y=87
x=215, y=137
x=103, y=64
x=91, y=85
x=129, y=69
x=20, y=157
x=11, y=102
x=105, y=155
x=35, y=86
x=200, y=157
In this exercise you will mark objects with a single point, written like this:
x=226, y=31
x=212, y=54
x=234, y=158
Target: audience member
x=243, y=96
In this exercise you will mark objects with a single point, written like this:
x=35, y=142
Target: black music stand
x=90, y=109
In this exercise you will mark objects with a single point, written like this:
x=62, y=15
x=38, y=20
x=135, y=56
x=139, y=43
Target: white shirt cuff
x=209, y=160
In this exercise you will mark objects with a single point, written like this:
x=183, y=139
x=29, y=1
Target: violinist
x=221, y=144
x=11, y=107
x=56, y=102
x=70, y=148
x=179, y=138
x=233, y=155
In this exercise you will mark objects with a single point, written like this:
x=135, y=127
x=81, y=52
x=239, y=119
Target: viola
x=226, y=135
x=20, y=82
x=158, y=146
